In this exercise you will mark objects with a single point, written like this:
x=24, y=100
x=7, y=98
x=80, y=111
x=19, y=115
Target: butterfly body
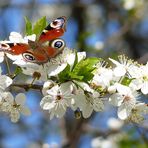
x=47, y=46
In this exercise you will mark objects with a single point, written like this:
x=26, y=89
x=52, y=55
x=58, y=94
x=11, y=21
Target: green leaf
x=73, y=76
x=84, y=69
x=28, y=26
x=76, y=60
x=126, y=81
x=65, y=74
x=39, y=26
x=18, y=70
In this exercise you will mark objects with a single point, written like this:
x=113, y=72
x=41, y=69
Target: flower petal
x=47, y=103
x=81, y=55
x=66, y=88
x=122, y=89
x=48, y=106
x=119, y=71
x=116, y=99
x=15, y=37
x=87, y=110
x=60, y=112
x=20, y=99
x=144, y=88
x=98, y=105
x=55, y=69
x=5, y=81
x=124, y=111
x=8, y=97
x=25, y=111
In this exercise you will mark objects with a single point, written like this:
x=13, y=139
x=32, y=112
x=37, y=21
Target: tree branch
x=28, y=86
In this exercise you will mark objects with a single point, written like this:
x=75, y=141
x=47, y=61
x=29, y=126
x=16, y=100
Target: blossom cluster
x=9, y=104
x=71, y=80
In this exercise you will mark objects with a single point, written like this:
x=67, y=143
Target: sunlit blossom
x=16, y=37
x=122, y=66
x=125, y=99
x=5, y=81
x=102, y=77
x=14, y=106
x=138, y=112
x=140, y=79
x=59, y=63
x=87, y=100
x=57, y=100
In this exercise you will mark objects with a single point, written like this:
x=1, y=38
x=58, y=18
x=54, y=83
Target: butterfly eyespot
x=58, y=43
x=4, y=46
x=29, y=57
x=56, y=23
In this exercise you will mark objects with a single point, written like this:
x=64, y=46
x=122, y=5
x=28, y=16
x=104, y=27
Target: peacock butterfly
x=40, y=51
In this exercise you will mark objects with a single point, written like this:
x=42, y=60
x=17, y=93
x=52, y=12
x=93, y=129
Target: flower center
x=145, y=78
x=134, y=110
x=59, y=97
x=127, y=98
x=16, y=105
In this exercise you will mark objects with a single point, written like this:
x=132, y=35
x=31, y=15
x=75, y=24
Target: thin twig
x=7, y=64
x=28, y=86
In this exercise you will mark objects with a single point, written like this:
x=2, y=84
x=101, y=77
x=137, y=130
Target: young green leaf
x=76, y=60
x=73, y=76
x=39, y=26
x=84, y=68
x=18, y=70
x=28, y=26
x=65, y=74
x=126, y=81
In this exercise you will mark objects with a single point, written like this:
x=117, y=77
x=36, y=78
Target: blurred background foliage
x=102, y=28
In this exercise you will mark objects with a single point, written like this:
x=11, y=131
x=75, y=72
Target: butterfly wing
x=56, y=46
x=36, y=52
x=54, y=30
x=14, y=48
x=51, y=33
x=38, y=55
x=43, y=53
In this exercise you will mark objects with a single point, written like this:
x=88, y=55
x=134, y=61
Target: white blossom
x=14, y=106
x=57, y=100
x=140, y=78
x=30, y=68
x=59, y=63
x=125, y=99
x=35, y=68
x=5, y=81
x=6, y=98
x=47, y=85
x=122, y=66
x=138, y=112
x=16, y=37
x=102, y=77
x=87, y=100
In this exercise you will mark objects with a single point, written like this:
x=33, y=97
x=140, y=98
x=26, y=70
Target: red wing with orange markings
x=14, y=48
x=54, y=30
x=38, y=51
